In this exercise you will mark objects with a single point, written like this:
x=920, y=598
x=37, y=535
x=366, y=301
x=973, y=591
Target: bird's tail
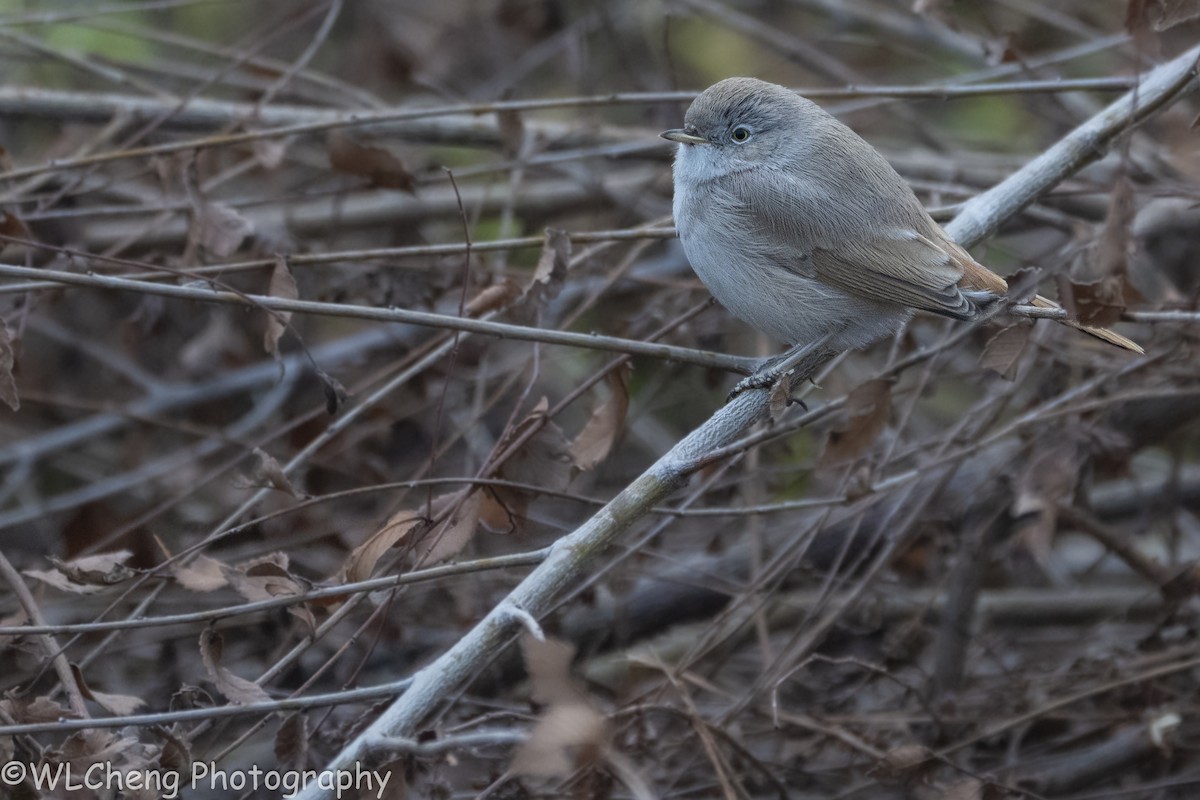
x=1103, y=334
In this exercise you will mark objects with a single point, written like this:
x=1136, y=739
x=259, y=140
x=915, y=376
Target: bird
x=801, y=228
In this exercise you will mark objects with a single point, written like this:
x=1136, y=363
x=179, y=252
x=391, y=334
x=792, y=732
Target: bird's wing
x=895, y=266
x=895, y=263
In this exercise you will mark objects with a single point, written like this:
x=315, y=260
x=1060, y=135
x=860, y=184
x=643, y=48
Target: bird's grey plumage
x=803, y=229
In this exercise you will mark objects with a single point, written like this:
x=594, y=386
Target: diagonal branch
x=573, y=556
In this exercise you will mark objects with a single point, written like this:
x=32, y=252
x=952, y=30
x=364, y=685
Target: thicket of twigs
x=324, y=321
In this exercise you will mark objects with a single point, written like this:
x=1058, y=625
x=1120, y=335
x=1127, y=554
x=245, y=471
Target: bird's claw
x=763, y=379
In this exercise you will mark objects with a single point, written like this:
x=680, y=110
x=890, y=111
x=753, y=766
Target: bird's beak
x=682, y=136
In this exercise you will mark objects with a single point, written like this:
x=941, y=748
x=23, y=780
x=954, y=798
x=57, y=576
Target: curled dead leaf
x=570, y=733
x=270, y=473
x=543, y=459
x=87, y=575
x=200, y=574
x=1003, y=352
x=119, y=704
x=868, y=408
x=449, y=538
x=233, y=687
x=362, y=560
x=282, y=285
x=594, y=442
x=380, y=167
x=219, y=229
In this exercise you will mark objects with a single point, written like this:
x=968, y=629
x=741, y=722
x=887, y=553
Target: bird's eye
x=740, y=134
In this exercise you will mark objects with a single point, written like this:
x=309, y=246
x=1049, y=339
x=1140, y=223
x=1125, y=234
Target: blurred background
x=965, y=569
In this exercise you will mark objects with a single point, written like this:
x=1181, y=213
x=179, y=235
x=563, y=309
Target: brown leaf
x=282, y=285
x=449, y=538
x=777, y=401
x=119, y=704
x=59, y=581
x=548, y=664
x=271, y=473
x=234, y=688
x=264, y=578
x=566, y=737
x=570, y=733
x=201, y=574
x=544, y=460
x=551, y=271
x=40, y=709
x=1049, y=477
x=594, y=442
x=380, y=167
x=496, y=296
x=87, y=575
x=361, y=562
x=8, y=385
x=219, y=229
x=291, y=742
x=1002, y=354
x=335, y=393
x=1101, y=291
x=102, y=569
x=868, y=408
x=176, y=754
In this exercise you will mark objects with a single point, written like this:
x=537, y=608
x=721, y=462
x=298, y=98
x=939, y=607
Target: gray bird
x=802, y=229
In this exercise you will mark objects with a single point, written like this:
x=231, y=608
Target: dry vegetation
x=323, y=321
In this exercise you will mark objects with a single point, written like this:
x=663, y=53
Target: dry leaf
x=264, y=578
x=548, y=664
x=570, y=732
x=1100, y=294
x=600, y=432
x=201, y=574
x=31, y=712
x=271, y=473
x=282, y=285
x=87, y=575
x=777, y=400
x=219, y=229
x=544, y=460
x=1049, y=478
x=291, y=742
x=380, y=167
x=234, y=688
x=551, y=271
x=565, y=738
x=449, y=538
x=119, y=704
x=8, y=385
x=176, y=754
x=867, y=410
x=102, y=569
x=335, y=393
x=361, y=562
x=1002, y=354
x=59, y=581
x=493, y=297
